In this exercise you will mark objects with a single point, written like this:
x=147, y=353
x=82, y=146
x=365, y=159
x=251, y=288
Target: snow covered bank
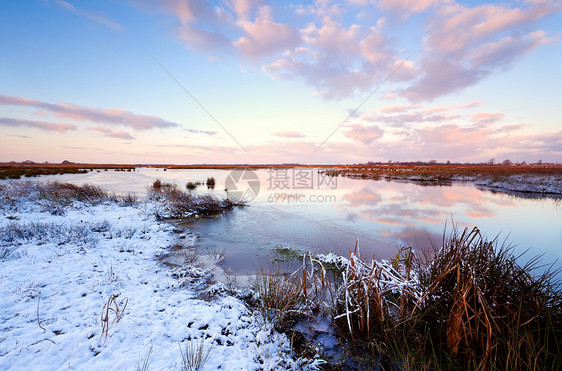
x=62, y=263
x=524, y=183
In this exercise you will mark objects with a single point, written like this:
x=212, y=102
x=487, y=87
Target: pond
x=301, y=208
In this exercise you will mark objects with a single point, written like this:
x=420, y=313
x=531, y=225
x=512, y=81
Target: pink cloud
x=470, y=105
x=243, y=8
x=485, y=118
x=402, y=119
x=289, y=134
x=264, y=36
x=393, y=109
x=111, y=116
x=466, y=45
x=201, y=26
x=364, y=134
x=121, y=135
x=330, y=57
x=112, y=134
x=43, y=125
x=206, y=132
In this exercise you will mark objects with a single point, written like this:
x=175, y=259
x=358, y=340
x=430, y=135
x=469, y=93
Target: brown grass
x=443, y=172
x=112, y=312
x=180, y=204
x=472, y=307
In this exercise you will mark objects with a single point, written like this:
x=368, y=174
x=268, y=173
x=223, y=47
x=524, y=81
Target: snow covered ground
x=61, y=265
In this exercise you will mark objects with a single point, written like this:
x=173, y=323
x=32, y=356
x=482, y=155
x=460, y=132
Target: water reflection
x=382, y=215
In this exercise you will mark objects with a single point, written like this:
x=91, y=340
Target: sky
x=258, y=82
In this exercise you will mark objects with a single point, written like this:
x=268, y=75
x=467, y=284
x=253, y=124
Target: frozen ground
x=58, y=272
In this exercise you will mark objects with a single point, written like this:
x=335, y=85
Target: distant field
x=423, y=172
x=444, y=172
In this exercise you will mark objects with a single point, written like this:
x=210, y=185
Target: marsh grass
x=216, y=255
x=52, y=195
x=16, y=172
x=144, y=364
x=284, y=298
x=190, y=256
x=112, y=312
x=17, y=233
x=195, y=355
x=468, y=306
x=280, y=297
x=180, y=204
x=128, y=199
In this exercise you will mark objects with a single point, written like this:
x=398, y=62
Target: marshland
x=343, y=273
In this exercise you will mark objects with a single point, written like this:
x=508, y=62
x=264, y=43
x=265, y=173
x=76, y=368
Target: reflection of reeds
x=472, y=307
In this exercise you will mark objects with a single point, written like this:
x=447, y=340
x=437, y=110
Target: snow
x=62, y=266
x=525, y=183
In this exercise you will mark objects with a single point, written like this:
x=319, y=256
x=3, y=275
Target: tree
x=491, y=161
x=506, y=162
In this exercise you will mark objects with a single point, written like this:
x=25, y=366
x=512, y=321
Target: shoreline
x=63, y=264
x=68, y=257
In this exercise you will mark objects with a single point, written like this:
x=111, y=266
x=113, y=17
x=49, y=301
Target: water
x=292, y=209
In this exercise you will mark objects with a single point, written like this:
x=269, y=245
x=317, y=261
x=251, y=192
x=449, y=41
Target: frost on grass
x=175, y=203
x=64, y=276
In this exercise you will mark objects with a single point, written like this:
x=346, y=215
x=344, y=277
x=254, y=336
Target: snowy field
x=62, y=265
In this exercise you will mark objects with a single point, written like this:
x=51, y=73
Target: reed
x=194, y=355
x=467, y=306
x=181, y=204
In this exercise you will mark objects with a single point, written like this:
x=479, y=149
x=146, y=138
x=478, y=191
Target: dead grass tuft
x=180, y=204
x=472, y=307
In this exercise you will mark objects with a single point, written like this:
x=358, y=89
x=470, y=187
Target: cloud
x=43, y=125
x=110, y=116
x=289, y=134
x=21, y=136
x=243, y=8
x=470, y=105
x=264, y=36
x=113, y=134
x=206, y=132
x=465, y=45
x=332, y=48
x=402, y=119
x=485, y=118
x=394, y=109
x=341, y=61
x=90, y=14
x=200, y=25
x=406, y=7
x=83, y=148
x=364, y=134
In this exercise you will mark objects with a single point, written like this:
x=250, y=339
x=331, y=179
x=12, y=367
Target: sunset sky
x=255, y=81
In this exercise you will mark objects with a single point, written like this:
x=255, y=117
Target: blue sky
x=462, y=81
